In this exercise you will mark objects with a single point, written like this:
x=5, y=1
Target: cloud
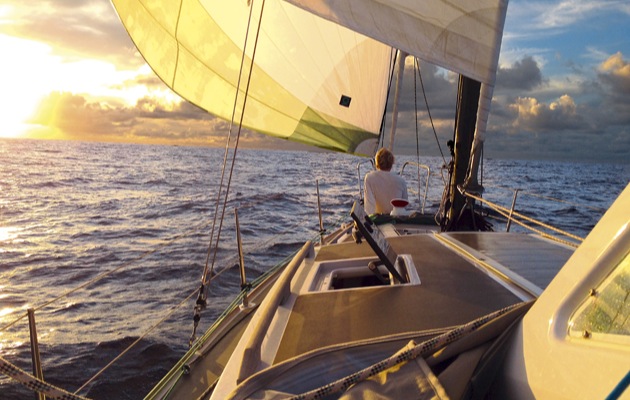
x=74, y=117
x=613, y=88
x=554, y=15
x=559, y=115
x=82, y=29
x=568, y=12
x=615, y=74
x=523, y=74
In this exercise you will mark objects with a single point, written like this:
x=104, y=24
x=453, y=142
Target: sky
x=70, y=71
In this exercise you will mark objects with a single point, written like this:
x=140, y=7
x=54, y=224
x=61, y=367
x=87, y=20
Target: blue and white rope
x=421, y=350
x=34, y=384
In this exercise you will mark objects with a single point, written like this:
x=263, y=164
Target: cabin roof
x=453, y=291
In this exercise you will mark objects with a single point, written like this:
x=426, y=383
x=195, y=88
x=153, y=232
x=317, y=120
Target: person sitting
x=382, y=186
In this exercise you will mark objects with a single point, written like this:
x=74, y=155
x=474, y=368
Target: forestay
x=313, y=81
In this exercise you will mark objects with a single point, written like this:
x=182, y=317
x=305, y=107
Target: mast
x=459, y=218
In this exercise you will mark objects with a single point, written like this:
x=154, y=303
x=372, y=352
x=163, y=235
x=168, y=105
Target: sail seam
x=179, y=15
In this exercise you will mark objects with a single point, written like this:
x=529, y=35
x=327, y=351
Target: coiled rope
x=406, y=354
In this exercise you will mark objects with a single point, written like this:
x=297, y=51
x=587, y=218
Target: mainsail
x=460, y=35
x=312, y=81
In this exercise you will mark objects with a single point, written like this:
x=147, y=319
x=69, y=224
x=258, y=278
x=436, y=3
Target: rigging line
x=538, y=231
x=550, y=198
x=415, y=108
x=107, y=273
x=227, y=150
x=429, y=111
x=125, y=351
x=501, y=210
x=381, y=135
x=35, y=384
x=148, y=331
x=410, y=352
x=238, y=134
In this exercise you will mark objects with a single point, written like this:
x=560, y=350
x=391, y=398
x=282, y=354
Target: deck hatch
x=376, y=240
x=355, y=273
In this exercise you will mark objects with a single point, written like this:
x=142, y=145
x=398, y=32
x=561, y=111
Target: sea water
x=108, y=242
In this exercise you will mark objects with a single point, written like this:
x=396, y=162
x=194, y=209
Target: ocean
x=104, y=241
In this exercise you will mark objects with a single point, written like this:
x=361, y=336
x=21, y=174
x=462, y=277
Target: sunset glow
x=70, y=71
x=34, y=72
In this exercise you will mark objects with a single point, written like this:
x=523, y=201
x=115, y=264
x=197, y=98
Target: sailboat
x=386, y=306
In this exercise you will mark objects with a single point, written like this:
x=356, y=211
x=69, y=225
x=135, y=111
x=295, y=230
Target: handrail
x=426, y=186
x=230, y=262
x=503, y=211
x=547, y=197
x=252, y=353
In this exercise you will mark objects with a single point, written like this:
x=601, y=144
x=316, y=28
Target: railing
x=229, y=262
x=512, y=216
x=422, y=198
x=426, y=186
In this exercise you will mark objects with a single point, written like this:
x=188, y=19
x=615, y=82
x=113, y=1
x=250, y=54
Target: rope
x=551, y=198
x=503, y=211
x=35, y=384
x=429, y=111
x=415, y=108
x=225, y=157
x=173, y=309
x=132, y=345
x=107, y=273
x=381, y=131
x=406, y=354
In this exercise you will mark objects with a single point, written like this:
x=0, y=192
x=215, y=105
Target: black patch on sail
x=345, y=100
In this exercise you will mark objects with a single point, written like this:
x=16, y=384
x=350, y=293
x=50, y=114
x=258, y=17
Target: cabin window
x=605, y=315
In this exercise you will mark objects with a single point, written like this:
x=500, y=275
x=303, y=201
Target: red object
x=399, y=203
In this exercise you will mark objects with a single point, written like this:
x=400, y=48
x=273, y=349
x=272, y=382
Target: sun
x=24, y=85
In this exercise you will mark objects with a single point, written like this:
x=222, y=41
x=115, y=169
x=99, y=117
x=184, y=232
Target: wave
x=107, y=211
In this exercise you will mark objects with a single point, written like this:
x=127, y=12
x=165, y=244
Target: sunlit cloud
x=75, y=74
x=616, y=66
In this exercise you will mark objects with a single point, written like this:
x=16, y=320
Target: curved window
x=605, y=315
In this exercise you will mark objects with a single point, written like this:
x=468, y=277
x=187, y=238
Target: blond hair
x=384, y=159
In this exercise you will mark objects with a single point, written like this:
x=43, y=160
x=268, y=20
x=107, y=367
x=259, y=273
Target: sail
x=460, y=35
x=312, y=81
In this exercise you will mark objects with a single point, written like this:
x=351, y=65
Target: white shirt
x=380, y=188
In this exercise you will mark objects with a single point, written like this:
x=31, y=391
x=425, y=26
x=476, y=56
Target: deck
x=455, y=289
